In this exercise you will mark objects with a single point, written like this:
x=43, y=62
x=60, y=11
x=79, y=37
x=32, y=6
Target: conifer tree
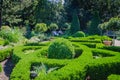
x=75, y=26
x=93, y=28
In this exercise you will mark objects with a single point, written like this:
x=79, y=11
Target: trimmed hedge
x=0, y=68
x=86, y=40
x=70, y=69
x=75, y=70
x=18, y=52
x=113, y=48
x=37, y=44
x=101, y=68
x=113, y=77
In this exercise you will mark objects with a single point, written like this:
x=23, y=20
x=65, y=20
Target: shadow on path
x=7, y=69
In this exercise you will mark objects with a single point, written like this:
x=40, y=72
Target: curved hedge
x=114, y=77
x=70, y=69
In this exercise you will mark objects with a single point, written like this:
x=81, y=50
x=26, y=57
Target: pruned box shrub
x=79, y=34
x=61, y=49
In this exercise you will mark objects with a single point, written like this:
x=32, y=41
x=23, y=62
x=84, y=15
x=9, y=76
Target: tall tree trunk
x=1, y=2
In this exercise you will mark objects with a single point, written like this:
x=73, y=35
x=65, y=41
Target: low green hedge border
x=73, y=69
x=113, y=77
x=113, y=48
x=0, y=68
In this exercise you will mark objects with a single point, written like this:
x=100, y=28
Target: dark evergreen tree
x=1, y=2
x=75, y=26
x=93, y=28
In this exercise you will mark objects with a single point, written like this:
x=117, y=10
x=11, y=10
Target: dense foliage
x=40, y=27
x=112, y=24
x=61, y=49
x=75, y=25
x=79, y=34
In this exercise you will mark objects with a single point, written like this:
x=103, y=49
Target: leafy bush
x=38, y=38
x=53, y=26
x=5, y=28
x=79, y=34
x=5, y=53
x=66, y=26
x=12, y=35
x=41, y=70
x=40, y=27
x=61, y=49
x=112, y=24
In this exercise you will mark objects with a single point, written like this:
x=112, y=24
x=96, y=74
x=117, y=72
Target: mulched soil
x=7, y=69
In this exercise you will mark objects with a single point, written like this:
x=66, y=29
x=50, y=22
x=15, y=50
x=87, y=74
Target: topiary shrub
x=79, y=34
x=61, y=49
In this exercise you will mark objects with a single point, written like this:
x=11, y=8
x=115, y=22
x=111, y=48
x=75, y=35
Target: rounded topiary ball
x=61, y=49
x=79, y=34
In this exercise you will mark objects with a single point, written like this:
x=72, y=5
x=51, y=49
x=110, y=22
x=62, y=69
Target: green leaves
x=40, y=28
x=112, y=24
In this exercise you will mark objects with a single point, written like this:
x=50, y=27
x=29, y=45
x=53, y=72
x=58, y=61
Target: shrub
x=12, y=35
x=40, y=27
x=79, y=34
x=112, y=24
x=5, y=28
x=5, y=53
x=53, y=26
x=61, y=49
x=114, y=77
x=66, y=26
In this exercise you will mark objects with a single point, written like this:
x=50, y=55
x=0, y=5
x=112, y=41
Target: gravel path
x=7, y=69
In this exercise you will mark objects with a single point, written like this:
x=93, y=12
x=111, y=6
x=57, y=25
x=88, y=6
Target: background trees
x=31, y=12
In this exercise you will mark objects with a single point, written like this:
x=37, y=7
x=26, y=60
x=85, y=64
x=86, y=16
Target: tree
x=113, y=24
x=1, y=2
x=93, y=28
x=49, y=11
x=85, y=8
x=75, y=26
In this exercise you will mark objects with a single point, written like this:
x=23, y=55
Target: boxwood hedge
x=71, y=69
